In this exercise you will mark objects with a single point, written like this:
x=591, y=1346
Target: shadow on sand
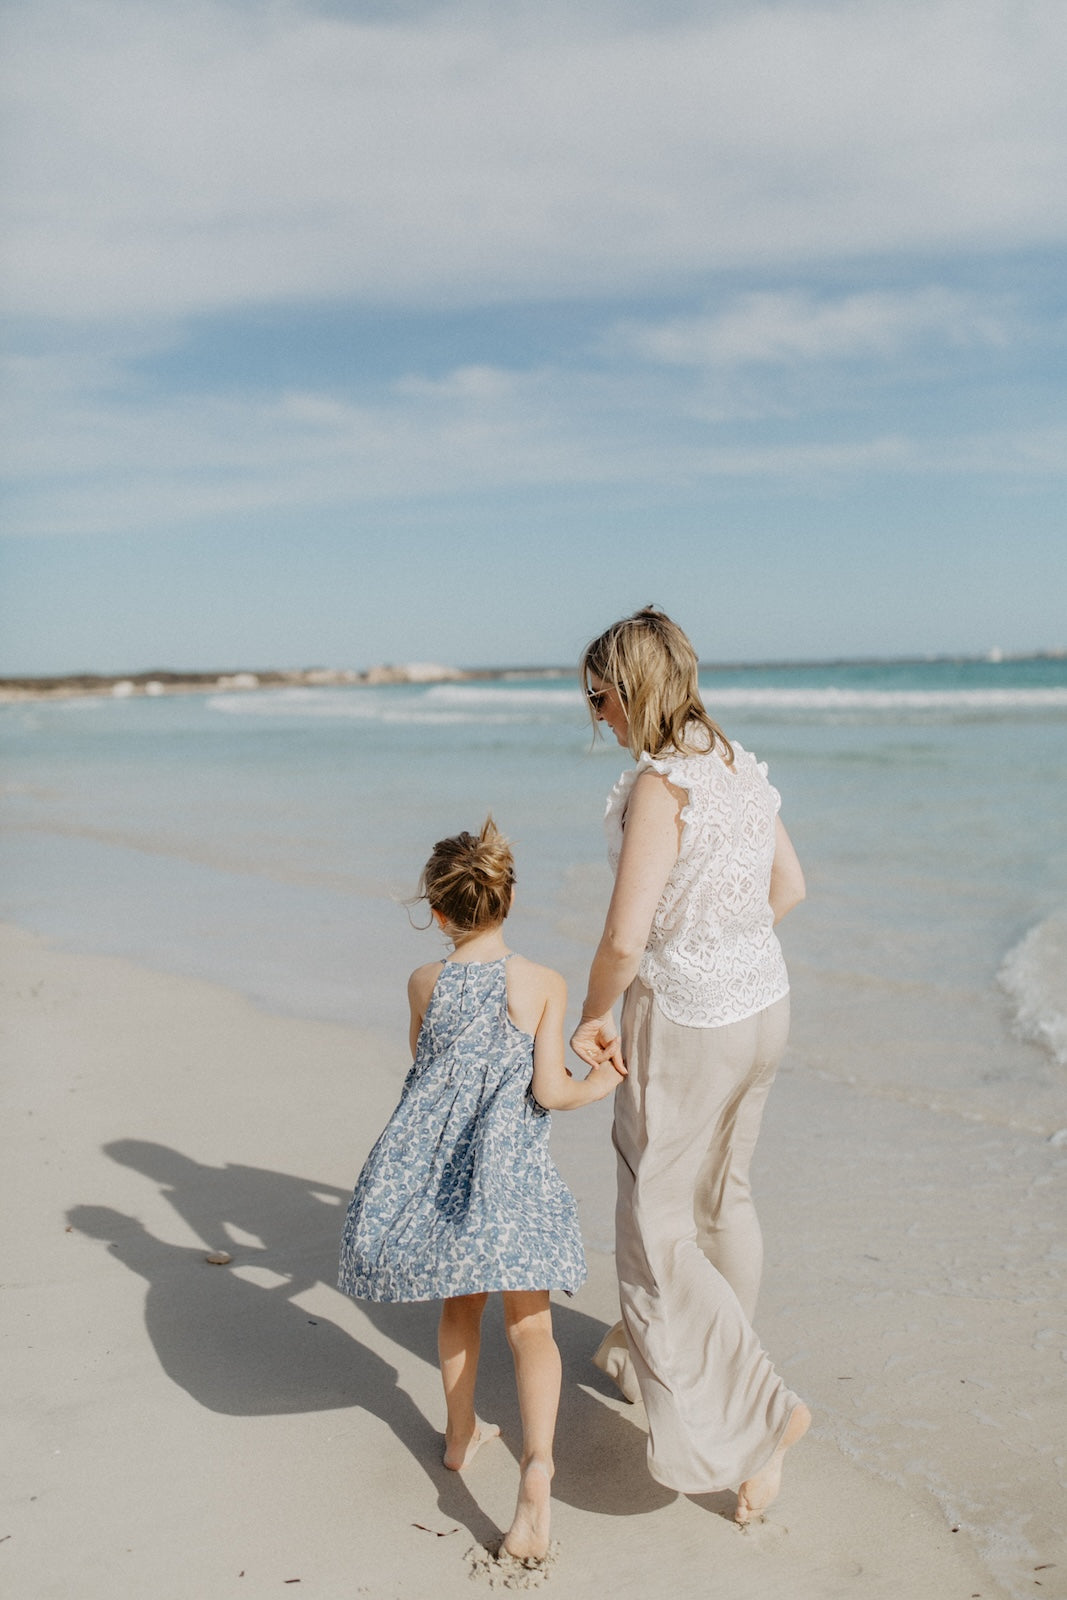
x=240, y=1345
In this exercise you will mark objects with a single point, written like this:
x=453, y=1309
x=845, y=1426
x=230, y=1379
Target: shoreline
x=150, y=1118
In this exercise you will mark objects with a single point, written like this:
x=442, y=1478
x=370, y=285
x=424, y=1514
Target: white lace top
x=712, y=955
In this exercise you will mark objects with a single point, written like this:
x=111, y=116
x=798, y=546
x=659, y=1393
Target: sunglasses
x=596, y=697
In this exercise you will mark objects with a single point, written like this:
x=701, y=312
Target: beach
x=180, y=1429
x=203, y=1033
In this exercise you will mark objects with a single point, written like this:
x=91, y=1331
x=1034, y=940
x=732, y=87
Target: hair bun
x=492, y=853
x=470, y=879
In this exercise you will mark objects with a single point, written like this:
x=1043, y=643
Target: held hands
x=596, y=1041
x=604, y=1078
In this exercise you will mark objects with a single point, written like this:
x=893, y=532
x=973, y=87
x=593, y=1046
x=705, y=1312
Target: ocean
x=267, y=840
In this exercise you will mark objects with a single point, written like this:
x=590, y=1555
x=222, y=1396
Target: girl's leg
x=459, y=1338
x=528, y=1319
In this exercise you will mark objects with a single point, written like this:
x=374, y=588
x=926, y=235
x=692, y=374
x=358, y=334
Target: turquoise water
x=265, y=839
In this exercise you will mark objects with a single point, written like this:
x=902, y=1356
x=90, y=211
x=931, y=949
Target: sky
x=342, y=333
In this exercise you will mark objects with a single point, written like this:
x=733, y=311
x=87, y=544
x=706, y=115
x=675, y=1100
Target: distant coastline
x=164, y=681
x=160, y=681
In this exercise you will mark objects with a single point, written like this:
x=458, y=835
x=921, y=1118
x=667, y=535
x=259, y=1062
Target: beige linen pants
x=688, y=1248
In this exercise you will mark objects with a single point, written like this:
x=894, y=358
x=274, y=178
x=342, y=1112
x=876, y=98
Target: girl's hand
x=596, y=1041
x=606, y=1076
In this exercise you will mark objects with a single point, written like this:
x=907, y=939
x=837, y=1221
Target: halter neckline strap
x=497, y=960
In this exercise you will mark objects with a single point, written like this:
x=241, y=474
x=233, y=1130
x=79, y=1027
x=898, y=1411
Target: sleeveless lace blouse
x=712, y=955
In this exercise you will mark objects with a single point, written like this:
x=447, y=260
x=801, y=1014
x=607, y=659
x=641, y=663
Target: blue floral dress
x=460, y=1194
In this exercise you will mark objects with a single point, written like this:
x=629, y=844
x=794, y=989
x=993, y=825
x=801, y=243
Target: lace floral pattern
x=712, y=955
x=460, y=1194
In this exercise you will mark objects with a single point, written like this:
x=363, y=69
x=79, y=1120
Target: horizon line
x=398, y=669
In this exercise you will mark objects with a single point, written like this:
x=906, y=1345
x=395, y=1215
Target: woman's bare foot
x=460, y=1452
x=613, y=1358
x=527, y=1538
x=757, y=1492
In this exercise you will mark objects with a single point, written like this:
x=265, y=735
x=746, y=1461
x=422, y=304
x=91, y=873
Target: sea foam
x=970, y=701
x=359, y=705
x=779, y=697
x=496, y=702
x=439, y=705
x=1034, y=974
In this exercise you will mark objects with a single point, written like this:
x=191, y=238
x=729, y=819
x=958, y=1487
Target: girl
x=459, y=1197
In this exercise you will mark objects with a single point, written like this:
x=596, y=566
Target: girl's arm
x=650, y=841
x=787, y=877
x=552, y=1085
x=420, y=988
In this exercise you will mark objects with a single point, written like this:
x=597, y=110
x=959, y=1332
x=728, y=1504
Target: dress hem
x=455, y=1294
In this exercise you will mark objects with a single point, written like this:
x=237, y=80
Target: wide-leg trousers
x=687, y=1242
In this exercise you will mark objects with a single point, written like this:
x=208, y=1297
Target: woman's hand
x=596, y=1040
x=604, y=1079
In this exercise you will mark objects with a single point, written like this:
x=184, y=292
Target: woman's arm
x=553, y=1087
x=787, y=877
x=650, y=841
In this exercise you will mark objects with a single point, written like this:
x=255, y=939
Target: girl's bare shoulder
x=532, y=974
x=533, y=994
x=422, y=980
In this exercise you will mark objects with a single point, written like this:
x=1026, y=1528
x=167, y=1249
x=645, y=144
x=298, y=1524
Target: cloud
x=96, y=454
x=462, y=384
x=169, y=160
x=798, y=327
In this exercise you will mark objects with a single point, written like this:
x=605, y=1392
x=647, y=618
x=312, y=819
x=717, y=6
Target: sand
x=177, y=1429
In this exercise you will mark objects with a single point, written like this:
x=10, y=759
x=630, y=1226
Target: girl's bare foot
x=461, y=1451
x=757, y=1492
x=527, y=1538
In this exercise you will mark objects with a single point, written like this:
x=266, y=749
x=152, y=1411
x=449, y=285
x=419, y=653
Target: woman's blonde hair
x=469, y=879
x=649, y=661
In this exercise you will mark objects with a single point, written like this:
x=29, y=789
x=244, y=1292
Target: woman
x=703, y=871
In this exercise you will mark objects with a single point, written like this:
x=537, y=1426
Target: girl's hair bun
x=470, y=879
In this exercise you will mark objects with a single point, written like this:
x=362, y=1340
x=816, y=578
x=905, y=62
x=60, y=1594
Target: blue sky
x=342, y=333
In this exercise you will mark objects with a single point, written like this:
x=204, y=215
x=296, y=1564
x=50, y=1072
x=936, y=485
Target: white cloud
x=97, y=459
x=464, y=383
x=171, y=159
x=798, y=327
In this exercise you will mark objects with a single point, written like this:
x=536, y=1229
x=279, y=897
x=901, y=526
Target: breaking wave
x=507, y=702
x=1034, y=975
